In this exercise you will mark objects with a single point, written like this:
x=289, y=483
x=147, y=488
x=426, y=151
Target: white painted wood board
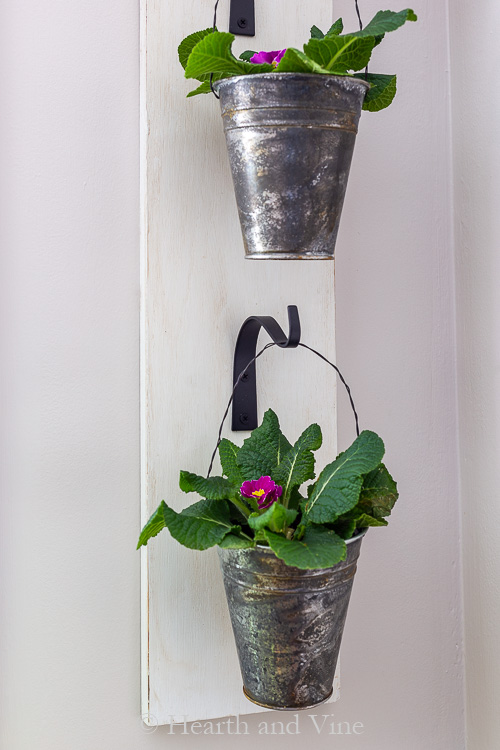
x=197, y=289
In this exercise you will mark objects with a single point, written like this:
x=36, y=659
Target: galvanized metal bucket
x=287, y=624
x=290, y=139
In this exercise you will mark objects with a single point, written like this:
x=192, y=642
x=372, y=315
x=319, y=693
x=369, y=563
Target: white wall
x=402, y=654
x=476, y=111
x=70, y=510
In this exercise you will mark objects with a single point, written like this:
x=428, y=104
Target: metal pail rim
x=278, y=76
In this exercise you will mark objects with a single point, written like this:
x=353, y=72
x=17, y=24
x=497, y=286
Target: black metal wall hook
x=245, y=396
x=244, y=393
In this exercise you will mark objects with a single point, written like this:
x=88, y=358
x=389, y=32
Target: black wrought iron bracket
x=245, y=396
x=242, y=17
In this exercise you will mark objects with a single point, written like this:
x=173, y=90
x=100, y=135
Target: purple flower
x=272, y=58
x=264, y=490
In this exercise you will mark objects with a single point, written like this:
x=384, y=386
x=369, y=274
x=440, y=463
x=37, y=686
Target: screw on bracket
x=242, y=17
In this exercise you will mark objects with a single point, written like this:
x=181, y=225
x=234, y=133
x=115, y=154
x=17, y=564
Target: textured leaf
x=184, y=50
x=295, y=498
x=338, y=487
x=300, y=531
x=297, y=465
x=339, y=54
x=213, y=54
x=247, y=55
x=345, y=526
x=231, y=541
x=228, y=453
x=153, y=527
x=340, y=496
x=276, y=517
x=336, y=28
x=200, y=526
x=364, y=521
x=381, y=93
x=187, y=45
x=316, y=33
x=264, y=449
x=385, y=21
x=378, y=493
x=203, y=88
x=319, y=548
x=295, y=61
x=214, y=488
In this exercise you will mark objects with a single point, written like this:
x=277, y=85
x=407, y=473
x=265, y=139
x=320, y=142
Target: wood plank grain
x=196, y=291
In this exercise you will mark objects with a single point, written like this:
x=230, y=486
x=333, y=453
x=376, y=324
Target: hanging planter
x=290, y=119
x=289, y=653
x=288, y=552
x=290, y=139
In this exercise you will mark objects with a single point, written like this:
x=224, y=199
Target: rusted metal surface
x=290, y=139
x=287, y=624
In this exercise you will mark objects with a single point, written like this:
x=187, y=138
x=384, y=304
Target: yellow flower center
x=258, y=493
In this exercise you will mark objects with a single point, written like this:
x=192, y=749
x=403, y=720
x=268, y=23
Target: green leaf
x=381, y=93
x=316, y=33
x=214, y=488
x=153, y=527
x=338, y=54
x=228, y=453
x=300, y=531
x=297, y=465
x=338, y=487
x=385, y=21
x=203, y=88
x=200, y=526
x=295, y=498
x=264, y=449
x=319, y=548
x=377, y=498
x=231, y=541
x=378, y=493
x=295, y=61
x=336, y=28
x=276, y=517
x=247, y=55
x=364, y=521
x=213, y=54
x=186, y=46
x=345, y=526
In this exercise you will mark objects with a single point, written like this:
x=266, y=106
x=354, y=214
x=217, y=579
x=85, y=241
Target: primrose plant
x=206, y=56
x=260, y=498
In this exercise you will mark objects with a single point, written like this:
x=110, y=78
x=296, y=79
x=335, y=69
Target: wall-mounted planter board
x=197, y=289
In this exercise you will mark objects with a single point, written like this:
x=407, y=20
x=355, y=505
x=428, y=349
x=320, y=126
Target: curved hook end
x=293, y=327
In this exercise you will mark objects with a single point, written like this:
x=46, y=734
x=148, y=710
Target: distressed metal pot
x=287, y=624
x=290, y=139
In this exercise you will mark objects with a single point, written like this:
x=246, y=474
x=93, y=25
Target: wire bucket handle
x=282, y=341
